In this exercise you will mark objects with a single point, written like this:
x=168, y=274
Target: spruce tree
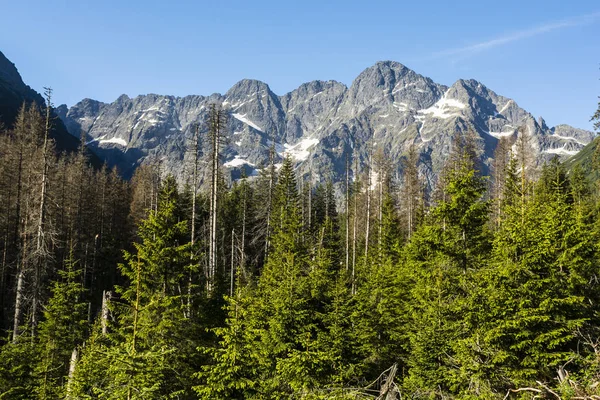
x=61, y=331
x=443, y=254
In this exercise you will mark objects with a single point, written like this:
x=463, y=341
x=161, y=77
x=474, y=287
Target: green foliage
x=444, y=255
x=17, y=363
x=463, y=311
x=62, y=331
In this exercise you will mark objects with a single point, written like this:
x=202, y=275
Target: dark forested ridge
x=14, y=93
x=272, y=288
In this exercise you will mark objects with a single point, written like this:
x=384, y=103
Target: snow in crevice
x=242, y=118
x=402, y=131
x=568, y=138
x=403, y=107
x=95, y=140
x=402, y=86
x=508, y=103
x=298, y=152
x=424, y=139
x=237, y=162
x=561, y=151
x=444, y=108
x=150, y=109
x=499, y=135
x=113, y=140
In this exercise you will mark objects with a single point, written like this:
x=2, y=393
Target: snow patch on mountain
x=114, y=140
x=237, y=162
x=242, y=118
x=561, y=151
x=568, y=138
x=444, y=108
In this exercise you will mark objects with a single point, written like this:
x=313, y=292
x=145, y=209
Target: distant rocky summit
x=320, y=124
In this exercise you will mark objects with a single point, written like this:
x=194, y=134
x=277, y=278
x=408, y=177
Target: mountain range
x=321, y=125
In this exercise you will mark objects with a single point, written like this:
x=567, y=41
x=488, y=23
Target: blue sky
x=544, y=54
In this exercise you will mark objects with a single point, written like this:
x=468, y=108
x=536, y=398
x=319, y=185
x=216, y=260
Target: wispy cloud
x=519, y=35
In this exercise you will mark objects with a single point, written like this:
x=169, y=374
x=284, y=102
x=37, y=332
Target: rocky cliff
x=320, y=124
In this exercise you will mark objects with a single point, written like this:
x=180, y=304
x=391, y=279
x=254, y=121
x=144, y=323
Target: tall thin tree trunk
x=215, y=132
x=18, y=303
x=105, y=311
x=232, y=263
x=368, y=209
x=380, y=215
x=243, y=244
x=354, y=229
x=72, y=366
x=347, y=215
x=40, y=247
x=310, y=199
x=20, y=251
x=270, y=198
x=196, y=143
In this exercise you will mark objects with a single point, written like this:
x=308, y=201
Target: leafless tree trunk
x=412, y=190
x=19, y=230
x=310, y=199
x=524, y=154
x=354, y=229
x=72, y=366
x=368, y=208
x=217, y=122
x=270, y=198
x=195, y=148
x=41, y=249
x=18, y=303
x=380, y=211
x=347, y=215
x=105, y=311
x=232, y=263
x=501, y=157
x=243, y=239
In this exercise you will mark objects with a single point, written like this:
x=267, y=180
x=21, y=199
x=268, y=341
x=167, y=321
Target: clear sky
x=543, y=54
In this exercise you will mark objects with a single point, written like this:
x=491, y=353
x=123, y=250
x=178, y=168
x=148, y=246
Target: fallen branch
x=548, y=389
x=527, y=389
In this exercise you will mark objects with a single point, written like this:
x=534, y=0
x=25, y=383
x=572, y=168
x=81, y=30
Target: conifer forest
x=276, y=287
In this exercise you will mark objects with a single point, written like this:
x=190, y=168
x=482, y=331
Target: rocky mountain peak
x=248, y=87
x=320, y=124
x=9, y=72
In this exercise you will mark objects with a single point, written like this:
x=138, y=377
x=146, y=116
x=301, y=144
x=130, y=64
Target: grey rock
x=321, y=124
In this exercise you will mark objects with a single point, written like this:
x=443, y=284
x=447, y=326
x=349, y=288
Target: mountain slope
x=320, y=124
x=14, y=92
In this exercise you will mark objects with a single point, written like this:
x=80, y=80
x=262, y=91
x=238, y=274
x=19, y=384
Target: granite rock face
x=320, y=125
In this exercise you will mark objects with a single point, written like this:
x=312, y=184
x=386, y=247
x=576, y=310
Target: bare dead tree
x=368, y=205
x=41, y=251
x=347, y=200
x=217, y=124
x=354, y=227
x=194, y=148
x=271, y=188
